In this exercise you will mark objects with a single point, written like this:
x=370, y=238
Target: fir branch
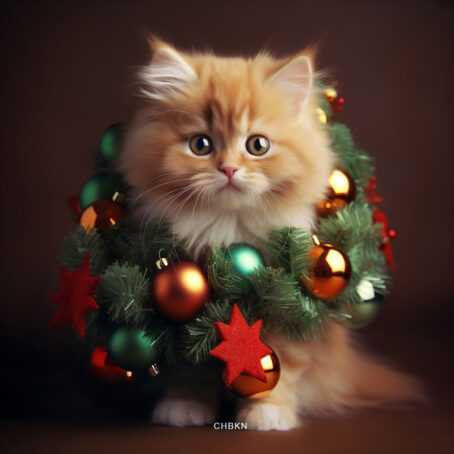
x=225, y=282
x=79, y=243
x=124, y=290
x=201, y=336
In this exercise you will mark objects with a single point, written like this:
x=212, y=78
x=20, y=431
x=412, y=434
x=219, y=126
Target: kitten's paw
x=183, y=412
x=266, y=416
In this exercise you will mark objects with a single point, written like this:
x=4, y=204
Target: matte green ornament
x=101, y=186
x=133, y=349
x=245, y=258
x=362, y=314
x=111, y=142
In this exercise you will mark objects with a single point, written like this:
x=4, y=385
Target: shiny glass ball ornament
x=106, y=371
x=341, y=192
x=360, y=315
x=110, y=144
x=180, y=290
x=102, y=186
x=101, y=215
x=133, y=349
x=249, y=387
x=321, y=115
x=329, y=271
x=245, y=258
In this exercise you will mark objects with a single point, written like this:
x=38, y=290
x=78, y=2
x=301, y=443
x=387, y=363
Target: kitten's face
x=219, y=135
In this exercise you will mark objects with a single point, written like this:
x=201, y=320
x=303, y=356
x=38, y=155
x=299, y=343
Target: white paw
x=266, y=416
x=181, y=413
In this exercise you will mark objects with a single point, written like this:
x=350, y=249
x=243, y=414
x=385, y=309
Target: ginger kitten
x=225, y=150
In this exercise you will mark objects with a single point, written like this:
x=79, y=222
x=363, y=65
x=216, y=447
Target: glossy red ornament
x=106, y=371
x=180, y=291
x=101, y=215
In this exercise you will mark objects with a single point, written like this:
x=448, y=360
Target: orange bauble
x=250, y=387
x=180, y=291
x=106, y=371
x=341, y=192
x=101, y=215
x=330, y=271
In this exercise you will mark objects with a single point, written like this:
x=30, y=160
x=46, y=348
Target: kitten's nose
x=229, y=170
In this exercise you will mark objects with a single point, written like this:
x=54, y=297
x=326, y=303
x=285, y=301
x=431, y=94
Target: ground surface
x=52, y=413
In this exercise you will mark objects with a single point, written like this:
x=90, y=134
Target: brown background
x=65, y=72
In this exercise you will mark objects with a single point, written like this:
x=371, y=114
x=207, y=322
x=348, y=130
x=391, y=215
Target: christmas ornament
x=245, y=258
x=329, y=273
x=360, y=315
x=336, y=101
x=106, y=371
x=371, y=192
x=102, y=186
x=101, y=215
x=76, y=296
x=387, y=235
x=111, y=142
x=341, y=191
x=321, y=115
x=133, y=349
x=180, y=291
x=241, y=348
x=249, y=387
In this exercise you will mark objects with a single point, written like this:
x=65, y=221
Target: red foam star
x=75, y=297
x=241, y=348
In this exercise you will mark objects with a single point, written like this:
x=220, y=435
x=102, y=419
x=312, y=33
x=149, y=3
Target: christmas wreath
x=144, y=306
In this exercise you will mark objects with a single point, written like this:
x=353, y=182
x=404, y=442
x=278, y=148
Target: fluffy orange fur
x=229, y=100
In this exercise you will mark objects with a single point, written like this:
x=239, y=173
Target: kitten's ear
x=166, y=74
x=294, y=80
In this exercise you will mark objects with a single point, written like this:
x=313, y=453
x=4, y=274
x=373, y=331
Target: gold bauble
x=249, y=387
x=329, y=272
x=341, y=192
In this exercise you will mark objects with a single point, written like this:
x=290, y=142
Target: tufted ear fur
x=294, y=80
x=167, y=73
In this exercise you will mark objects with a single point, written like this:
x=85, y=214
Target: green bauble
x=361, y=314
x=101, y=186
x=133, y=349
x=111, y=142
x=245, y=258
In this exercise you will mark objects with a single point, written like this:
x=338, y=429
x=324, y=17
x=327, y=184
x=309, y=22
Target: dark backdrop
x=65, y=72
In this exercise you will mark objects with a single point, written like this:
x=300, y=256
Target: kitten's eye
x=201, y=145
x=257, y=145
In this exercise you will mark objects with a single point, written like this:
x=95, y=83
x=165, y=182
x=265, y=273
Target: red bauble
x=76, y=296
x=104, y=369
x=241, y=348
x=180, y=291
x=101, y=215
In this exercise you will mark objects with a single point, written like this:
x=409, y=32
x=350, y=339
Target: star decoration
x=75, y=297
x=241, y=348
